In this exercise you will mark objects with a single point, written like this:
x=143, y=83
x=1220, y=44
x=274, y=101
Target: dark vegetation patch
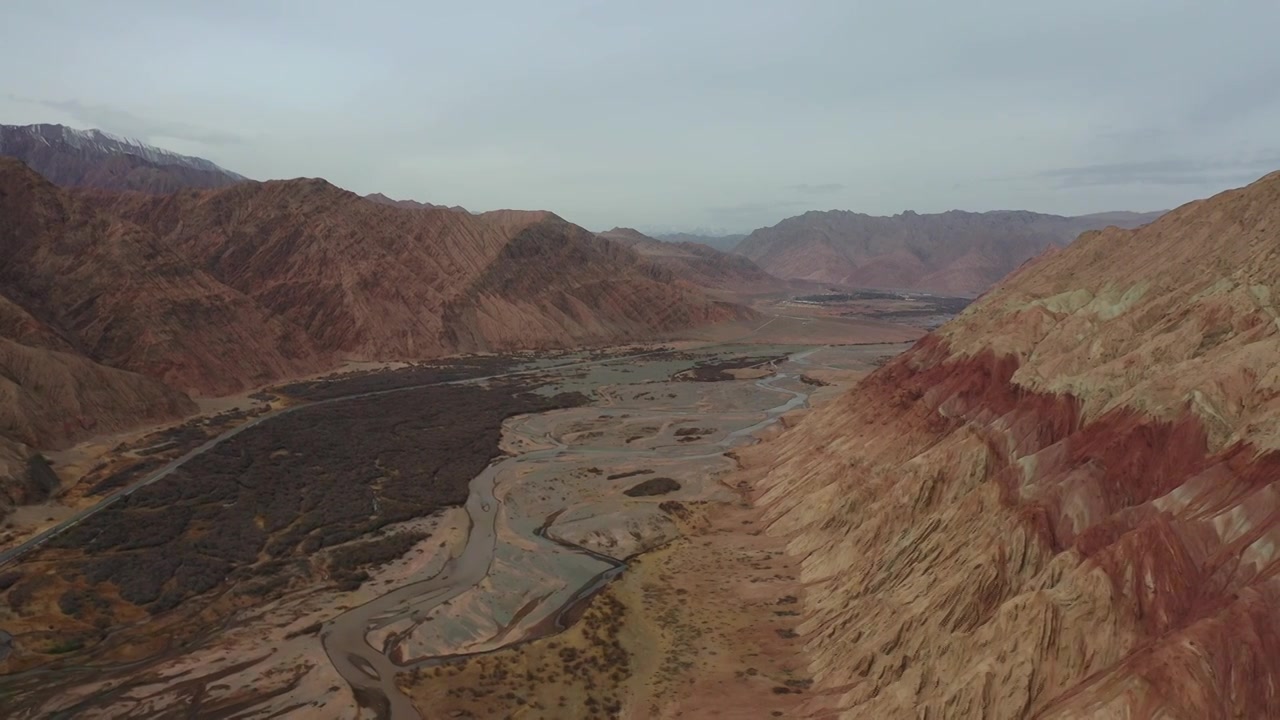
x=34, y=484
x=633, y=473
x=155, y=449
x=717, y=370
x=917, y=309
x=674, y=507
x=686, y=432
x=925, y=304
x=347, y=562
x=245, y=516
x=815, y=382
x=369, y=381
x=40, y=475
x=653, y=486
x=190, y=434
x=123, y=476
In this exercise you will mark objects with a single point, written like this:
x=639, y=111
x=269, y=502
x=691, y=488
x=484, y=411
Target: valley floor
x=608, y=563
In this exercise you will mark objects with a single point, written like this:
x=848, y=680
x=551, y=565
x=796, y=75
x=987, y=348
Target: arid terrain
x=280, y=449
x=383, y=543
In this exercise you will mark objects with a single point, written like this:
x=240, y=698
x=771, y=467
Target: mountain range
x=93, y=158
x=956, y=252
x=216, y=291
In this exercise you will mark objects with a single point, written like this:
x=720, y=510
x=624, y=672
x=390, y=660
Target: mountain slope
x=219, y=290
x=953, y=252
x=92, y=158
x=50, y=397
x=1064, y=503
x=724, y=243
x=698, y=264
x=110, y=290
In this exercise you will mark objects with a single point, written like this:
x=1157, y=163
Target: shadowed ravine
x=371, y=672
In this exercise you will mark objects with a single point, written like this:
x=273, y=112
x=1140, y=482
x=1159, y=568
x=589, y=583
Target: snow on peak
x=94, y=140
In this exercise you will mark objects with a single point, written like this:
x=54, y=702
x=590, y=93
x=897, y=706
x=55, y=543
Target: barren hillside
x=699, y=264
x=1062, y=504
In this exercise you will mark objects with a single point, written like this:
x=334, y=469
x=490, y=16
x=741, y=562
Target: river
x=371, y=672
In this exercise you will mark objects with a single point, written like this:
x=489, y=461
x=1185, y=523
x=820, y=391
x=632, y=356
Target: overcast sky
x=726, y=114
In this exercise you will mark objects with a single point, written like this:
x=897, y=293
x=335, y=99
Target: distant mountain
x=1123, y=218
x=720, y=242
x=699, y=264
x=411, y=204
x=93, y=158
x=953, y=252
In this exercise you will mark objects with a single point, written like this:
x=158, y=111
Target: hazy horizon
x=679, y=117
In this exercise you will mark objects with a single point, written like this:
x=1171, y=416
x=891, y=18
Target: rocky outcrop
x=954, y=252
x=92, y=158
x=699, y=264
x=1064, y=503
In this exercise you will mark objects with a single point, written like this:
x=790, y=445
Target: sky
x=712, y=115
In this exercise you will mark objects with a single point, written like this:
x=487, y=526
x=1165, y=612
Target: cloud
x=123, y=122
x=820, y=189
x=1167, y=171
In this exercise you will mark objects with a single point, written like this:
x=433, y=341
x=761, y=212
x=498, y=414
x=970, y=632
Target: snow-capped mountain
x=93, y=158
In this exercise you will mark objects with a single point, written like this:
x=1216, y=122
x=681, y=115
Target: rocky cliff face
x=92, y=158
x=699, y=264
x=953, y=252
x=1064, y=503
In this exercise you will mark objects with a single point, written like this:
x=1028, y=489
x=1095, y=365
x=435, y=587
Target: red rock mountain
x=955, y=252
x=50, y=396
x=216, y=291
x=1066, y=502
x=92, y=158
x=699, y=264
x=411, y=204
